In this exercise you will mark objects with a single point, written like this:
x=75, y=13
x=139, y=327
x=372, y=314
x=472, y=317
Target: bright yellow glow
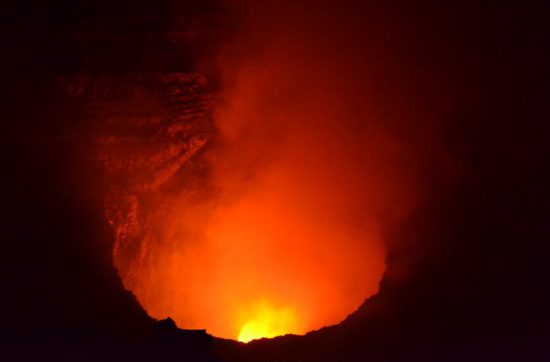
x=267, y=322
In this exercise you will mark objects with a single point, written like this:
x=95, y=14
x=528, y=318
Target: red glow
x=286, y=236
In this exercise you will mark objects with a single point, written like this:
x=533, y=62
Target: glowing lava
x=267, y=322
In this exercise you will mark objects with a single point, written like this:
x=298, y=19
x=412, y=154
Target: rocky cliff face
x=142, y=116
x=150, y=130
x=87, y=84
x=151, y=142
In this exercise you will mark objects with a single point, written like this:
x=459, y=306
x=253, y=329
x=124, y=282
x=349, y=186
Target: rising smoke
x=316, y=153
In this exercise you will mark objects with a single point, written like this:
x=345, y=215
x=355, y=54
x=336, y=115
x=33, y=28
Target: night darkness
x=369, y=176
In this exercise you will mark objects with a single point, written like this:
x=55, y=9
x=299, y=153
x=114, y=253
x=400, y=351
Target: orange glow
x=283, y=232
x=267, y=322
